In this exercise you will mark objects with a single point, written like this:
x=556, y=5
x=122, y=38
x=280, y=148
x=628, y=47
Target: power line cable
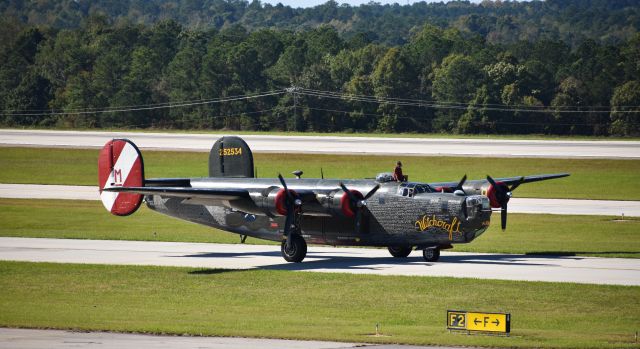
x=147, y=107
x=461, y=106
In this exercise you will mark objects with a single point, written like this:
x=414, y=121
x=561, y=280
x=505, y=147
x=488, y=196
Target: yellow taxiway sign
x=476, y=321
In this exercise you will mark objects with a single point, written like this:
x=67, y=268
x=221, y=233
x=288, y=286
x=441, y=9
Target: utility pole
x=294, y=91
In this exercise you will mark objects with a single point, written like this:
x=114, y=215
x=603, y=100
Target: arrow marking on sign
x=497, y=322
x=476, y=321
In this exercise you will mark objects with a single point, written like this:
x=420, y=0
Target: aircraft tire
x=298, y=249
x=400, y=251
x=431, y=254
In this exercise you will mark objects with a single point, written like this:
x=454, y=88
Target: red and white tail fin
x=120, y=164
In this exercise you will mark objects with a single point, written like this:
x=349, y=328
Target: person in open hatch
x=397, y=173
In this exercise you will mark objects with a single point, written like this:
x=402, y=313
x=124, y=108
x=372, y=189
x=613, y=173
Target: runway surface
x=11, y=338
x=516, y=205
x=335, y=145
x=586, y=270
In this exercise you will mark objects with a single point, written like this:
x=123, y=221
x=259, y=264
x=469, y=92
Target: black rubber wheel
x=400, y=251
x=431, y=254
x=296, y=252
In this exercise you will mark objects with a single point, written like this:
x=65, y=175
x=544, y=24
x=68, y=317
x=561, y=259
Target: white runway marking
x=516, y=205
x=587, y=270
x=335, y=145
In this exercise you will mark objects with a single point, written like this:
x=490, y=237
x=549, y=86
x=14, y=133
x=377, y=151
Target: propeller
x=293, y=204
x=358, y=204
x=503, y=194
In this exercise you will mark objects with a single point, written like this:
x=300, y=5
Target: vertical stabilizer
x=230, y=156
x=120, y=165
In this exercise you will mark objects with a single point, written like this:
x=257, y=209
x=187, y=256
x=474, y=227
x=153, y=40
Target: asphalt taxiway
x=335, y=145
x=13, y=338
x=516, y=205
x=587, y=270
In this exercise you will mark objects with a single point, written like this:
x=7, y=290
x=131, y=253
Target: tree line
x=569, y=21
x=165, y=75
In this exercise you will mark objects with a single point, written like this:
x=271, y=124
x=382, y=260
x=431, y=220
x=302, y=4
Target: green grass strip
x=526, y=234
x=340, y=307
x=590, y=179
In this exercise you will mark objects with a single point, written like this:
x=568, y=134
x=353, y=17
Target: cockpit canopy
x=408, y=189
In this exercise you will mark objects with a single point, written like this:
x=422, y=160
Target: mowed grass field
x=590, y=179
x=340, y=307
x=526, y=234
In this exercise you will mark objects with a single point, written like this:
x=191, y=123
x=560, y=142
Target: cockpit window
x=410, y=189
x=423, y=188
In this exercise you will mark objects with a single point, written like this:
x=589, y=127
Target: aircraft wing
x=184, y=192
x=531, y=179
x=505, y=180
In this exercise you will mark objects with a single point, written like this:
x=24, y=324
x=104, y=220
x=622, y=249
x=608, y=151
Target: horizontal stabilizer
x=168, y=182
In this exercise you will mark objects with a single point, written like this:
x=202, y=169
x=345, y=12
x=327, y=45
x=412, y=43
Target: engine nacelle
x=341, y=204
x=486, y=189
x=272, y=202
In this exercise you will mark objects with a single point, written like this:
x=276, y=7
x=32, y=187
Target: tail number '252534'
x=230, y=151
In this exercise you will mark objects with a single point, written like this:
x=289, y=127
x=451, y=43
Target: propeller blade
x=282, y=181
x=517, y=184
x=372, y=191
x=503, y=216
x=498, y=188
x=358, y=220
x=501, y=193
x=352, y=197
x=461, y=183
x=284, y=184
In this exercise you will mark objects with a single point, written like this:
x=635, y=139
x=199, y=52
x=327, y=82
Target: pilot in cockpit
x=397, y=173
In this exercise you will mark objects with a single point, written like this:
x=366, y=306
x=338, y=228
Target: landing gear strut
x=431, y=254
x=296, y=250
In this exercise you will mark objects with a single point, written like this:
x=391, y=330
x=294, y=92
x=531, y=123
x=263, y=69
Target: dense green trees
x=106, y=74
x=505, y=22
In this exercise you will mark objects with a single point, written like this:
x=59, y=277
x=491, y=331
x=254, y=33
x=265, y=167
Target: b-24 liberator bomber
x=399, y=215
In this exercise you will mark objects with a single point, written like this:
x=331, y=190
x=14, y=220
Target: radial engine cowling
x=492, y=193
x=272, y=201
x=488, y=190
x=340, y=204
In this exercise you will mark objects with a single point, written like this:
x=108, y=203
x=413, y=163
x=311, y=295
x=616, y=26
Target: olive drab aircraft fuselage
x=401, y=216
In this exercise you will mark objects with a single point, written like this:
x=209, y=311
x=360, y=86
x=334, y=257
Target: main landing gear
x=296, y=251
x=430, y=254
x=400, y=251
